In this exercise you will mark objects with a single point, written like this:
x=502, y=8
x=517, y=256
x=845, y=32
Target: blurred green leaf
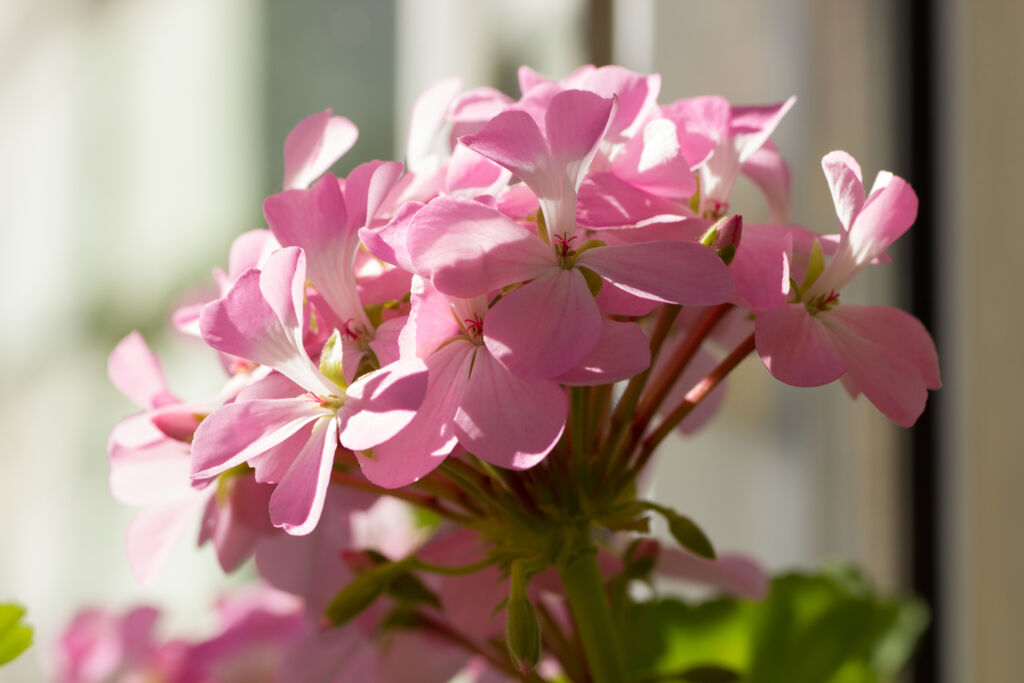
x=825, y=628
x=15, y=637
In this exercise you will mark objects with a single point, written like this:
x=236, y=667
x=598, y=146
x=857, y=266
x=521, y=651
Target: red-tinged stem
x=429, y=502
x=662, y=384
x=693, y=398
x=613, y=438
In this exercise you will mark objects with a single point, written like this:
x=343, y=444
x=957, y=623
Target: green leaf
x=685, y=531
x=709, y=674
x=15, y=637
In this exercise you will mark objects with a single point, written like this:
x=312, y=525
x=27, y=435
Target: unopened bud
x=724, y=236
x=522, y=633
x=362, y=591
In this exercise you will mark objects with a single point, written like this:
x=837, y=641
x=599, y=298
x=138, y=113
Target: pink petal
x=431, y=322
x=506, y=421
x=367, y=188
x=310, y=566
x=796, y=348
x=752, y=126
x=259, y=320
x=575, y=123
x=885, y=216
x=890, y=357
x=528, y=79
x=466, y=248
x=545, y=327
x=272, y=465
x=250, y=250
x=238, y=431
x=674, y=272
x=150, y=474
x=238, y=523
x=381, y=403
x=844, y=180
x=770, y=173
x=153, y=532
x=622, y=351
x=317, y=220
x=513, y=140
x=637, y=94
x=760, y=269
x=314, y=145
x=385, y=340
x=653, y=161
x=136, y=372
x=298, y=500
x=614, y=301
x=389, y=243
x=736, y=575
x=607, y=201
x=428, y=439
x=708, y=115
x=468, y=171
x=428, y=115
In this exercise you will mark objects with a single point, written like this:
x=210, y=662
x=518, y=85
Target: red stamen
x=474, y=325
x=563, y=241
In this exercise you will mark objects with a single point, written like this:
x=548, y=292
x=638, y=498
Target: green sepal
x=590, y=244
x=630, y=516
x=330, y=361
x=727, y=254
x=593, y=280
x=695, y=199
x=685, y=531
x=815, y=266
x=15, y=637
x=225, y=479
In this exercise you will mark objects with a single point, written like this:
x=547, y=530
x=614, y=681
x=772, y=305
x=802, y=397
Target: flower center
x=564, y=250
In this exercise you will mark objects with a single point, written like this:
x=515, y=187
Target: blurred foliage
x=15, y=637
x=823, y=628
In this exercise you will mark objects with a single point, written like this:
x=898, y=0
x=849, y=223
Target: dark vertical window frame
x=918, y=106
x=600, y=45
x=322, y=53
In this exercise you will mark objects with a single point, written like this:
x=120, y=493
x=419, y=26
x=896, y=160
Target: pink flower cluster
x=413, y=312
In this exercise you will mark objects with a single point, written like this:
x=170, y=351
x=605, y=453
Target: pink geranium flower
x=740, y=136
x=149, y=464
x=468, y=249
x=883, y=352
x=261, y=319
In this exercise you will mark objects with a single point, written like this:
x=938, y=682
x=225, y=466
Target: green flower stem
x=584, y=588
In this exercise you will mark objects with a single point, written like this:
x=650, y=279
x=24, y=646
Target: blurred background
x=138, y=137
